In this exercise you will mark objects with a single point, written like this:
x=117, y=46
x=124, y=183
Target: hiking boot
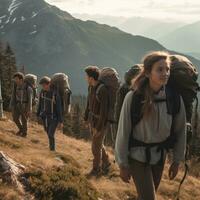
x=94, y=173
x=23, y=135
x=106, y=167
x=19, y=133
x=52, y=149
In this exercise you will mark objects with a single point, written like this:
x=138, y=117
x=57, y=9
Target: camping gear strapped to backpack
x=109, y=78
x=60, y=82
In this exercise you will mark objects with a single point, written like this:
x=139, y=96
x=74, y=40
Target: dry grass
x=33, y=152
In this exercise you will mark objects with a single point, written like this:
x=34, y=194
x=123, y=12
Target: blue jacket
x=50, y=105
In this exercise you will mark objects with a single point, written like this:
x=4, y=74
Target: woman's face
x=160, y=73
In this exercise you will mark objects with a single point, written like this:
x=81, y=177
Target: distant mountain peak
x=16, y=11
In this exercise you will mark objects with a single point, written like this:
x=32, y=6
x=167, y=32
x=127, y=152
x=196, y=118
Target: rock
x=10, y=172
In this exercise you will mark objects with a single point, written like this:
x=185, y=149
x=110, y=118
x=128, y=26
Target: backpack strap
x=53, y=101
x=27, y=85
x=69, y=92
x=100, y=85
x=173, y=107
x=135, y=113
x=136, y=108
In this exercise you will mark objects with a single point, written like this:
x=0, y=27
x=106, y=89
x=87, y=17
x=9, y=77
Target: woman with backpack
x=152, y=121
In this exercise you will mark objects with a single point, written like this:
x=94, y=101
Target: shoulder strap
x=136, y=108
x=98, y=90
x=135, y=113
x=173, y=101
x=173, y=106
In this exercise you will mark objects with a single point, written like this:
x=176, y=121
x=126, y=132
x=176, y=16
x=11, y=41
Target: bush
x=60, y=183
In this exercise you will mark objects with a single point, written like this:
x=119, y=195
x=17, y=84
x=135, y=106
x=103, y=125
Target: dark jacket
x=97, y=106
x=22, y=95
x=125, y=88
x=121, y=93
x=50, y=106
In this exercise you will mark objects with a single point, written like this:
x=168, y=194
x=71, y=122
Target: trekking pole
x=183, y=179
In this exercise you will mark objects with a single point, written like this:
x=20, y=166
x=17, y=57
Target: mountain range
x=46, y=40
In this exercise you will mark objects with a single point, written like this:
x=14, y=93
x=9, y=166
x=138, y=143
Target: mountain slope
x=150, y=28
x=194, y=54
x=147, y=27
x=34, y=154
x=184, y=39
x=47, y=40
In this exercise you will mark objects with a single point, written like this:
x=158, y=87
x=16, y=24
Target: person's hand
x=173, y=170
x=125, y=174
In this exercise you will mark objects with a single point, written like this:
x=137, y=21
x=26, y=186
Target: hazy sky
x=184, y=10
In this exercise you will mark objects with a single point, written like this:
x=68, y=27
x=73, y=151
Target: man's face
x=18, y=81
x=89, y=80
x=45, y=86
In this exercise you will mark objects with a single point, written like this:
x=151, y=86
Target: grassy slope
x=33, y=153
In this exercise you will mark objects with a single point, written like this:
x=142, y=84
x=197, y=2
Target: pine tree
x=7, y=69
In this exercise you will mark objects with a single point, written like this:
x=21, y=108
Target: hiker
x=21, y=103
x=96, y=115
x=50, y=110
x=60, y=83
x=125, y=88
x=31, y=80
x=152, y=121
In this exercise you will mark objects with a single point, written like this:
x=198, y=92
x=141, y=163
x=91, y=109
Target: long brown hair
x=141, y=82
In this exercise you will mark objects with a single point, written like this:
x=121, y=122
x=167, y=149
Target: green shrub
x=60, y=183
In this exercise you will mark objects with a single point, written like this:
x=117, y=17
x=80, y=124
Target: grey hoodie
x=151, y=129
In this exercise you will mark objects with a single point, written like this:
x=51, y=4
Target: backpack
x=182, y=82
x=183, y=78
x=132, y=73
x=31, y=81
x=125, y=88
x=60, y=82
x=110, y=79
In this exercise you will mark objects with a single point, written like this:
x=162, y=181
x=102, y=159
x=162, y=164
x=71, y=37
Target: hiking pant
x=146, y=178
x=20, y=118
x=98, y=150
x=50, y=126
